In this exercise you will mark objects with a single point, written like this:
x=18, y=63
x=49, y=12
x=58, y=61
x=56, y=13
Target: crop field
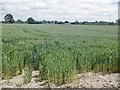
x=59, y=52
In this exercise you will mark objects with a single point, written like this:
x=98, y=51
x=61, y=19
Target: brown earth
x=87, y=80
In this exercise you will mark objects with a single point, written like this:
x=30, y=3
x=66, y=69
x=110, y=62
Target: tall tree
x=9, y=18
x=66, y=22
x=19, y=21
x=118, y=21
x=30, y=20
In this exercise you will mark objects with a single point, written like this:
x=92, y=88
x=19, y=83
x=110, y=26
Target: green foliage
x=30, y=20
x=57, y=65
x=27, y=74
x=59, y=52
x=9, y=18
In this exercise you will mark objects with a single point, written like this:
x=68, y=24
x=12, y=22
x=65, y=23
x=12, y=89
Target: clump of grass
x=57, y=65
x=26, y=74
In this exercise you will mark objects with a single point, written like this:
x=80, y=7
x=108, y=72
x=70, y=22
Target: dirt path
x=88, y=80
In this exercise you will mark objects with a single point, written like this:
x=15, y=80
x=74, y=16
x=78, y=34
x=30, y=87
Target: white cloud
x=62, y=9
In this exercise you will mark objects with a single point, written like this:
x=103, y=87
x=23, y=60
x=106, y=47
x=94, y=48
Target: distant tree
x=72, y=22
x=19, y=21
x=44, y=21
x=30, y=20
x=60, y=22
x=56, y=22
x=52, y=22
x=48, y=22
x=76, y=22
x=118, y=21
x=66, y=22
x=9, y=18
x=96, y=22
x=85, y=22
x=111, y=23
x=103, y=23
x=92, y=23
x=3, y=22
x=39, y=22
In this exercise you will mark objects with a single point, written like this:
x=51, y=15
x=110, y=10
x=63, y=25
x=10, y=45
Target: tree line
x=9, y=19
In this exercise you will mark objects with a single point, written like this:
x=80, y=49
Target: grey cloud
x=61, y=9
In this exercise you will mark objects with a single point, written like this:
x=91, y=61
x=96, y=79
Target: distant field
x=59, y=51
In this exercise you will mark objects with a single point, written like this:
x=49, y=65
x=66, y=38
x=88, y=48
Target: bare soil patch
x=87, y=80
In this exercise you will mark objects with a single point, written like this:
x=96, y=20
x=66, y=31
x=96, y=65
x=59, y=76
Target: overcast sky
x=71, y=10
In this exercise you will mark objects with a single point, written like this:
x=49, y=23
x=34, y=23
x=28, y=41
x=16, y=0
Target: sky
x=71, y=10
